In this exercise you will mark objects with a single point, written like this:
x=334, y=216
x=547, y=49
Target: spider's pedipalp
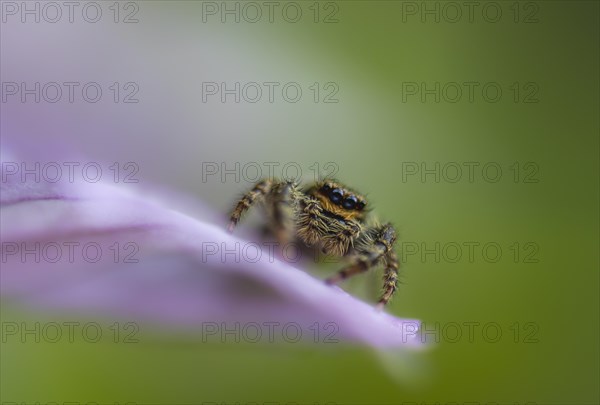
x=376, y=245
x=361, y=263
x=311, y=224
x=340, y=239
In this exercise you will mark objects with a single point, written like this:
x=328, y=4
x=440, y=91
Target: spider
x=329, y=216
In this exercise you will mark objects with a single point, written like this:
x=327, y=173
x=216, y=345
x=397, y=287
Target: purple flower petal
x=178, y=279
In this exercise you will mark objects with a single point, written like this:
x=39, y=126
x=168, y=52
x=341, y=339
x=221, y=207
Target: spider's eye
x=360, y=205
x=326, y=188
x=336, y=195
x=349, y=202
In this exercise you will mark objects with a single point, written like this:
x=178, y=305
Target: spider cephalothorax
x=329, y=216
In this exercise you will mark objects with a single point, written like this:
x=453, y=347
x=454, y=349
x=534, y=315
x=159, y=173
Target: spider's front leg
x=258, y=193
x=390, y=278
x=283, y=201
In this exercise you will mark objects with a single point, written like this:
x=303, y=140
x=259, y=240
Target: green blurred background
x=543, y=55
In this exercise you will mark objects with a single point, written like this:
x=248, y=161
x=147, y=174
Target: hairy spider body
x=329, y=216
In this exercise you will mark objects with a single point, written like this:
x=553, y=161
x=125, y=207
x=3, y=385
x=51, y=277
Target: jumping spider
x=329, y=216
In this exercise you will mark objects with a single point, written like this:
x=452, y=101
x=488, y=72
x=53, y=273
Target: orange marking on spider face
x=337, y=209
